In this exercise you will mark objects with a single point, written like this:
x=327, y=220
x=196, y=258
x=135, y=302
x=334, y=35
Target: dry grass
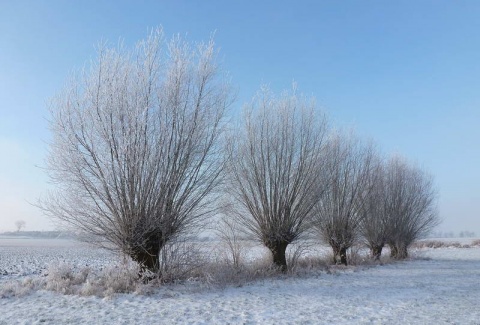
x=476, y=242
x=440, y=244
x=200, y=267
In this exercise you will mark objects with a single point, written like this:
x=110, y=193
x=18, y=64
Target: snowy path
x=443, y=290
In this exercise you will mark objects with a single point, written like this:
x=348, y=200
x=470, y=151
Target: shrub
x=229, y=233
x=18, y=288
x=439, y=244
x=64, y=278
x=476, y=242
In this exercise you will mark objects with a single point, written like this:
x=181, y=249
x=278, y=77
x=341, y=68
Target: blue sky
x=405, y=73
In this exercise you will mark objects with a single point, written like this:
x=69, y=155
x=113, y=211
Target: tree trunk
x=402, y=252
x=339, y=255
x=343, y=256
x=393, y=251
x=376, y=251
x=147, y=260
x=148, y=254
x=278, y=250
x=336, y=252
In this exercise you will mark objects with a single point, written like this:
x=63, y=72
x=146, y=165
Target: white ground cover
x=439, y=286
x=28, y=256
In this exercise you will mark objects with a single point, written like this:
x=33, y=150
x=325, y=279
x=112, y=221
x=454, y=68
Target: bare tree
x=19, y=224
x=274, y=159
x=135, y=152
x=229, y=233
x=374, y=222
x=411, y=210
x=338, y=214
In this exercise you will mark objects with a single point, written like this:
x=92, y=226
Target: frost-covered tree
x=374, y=223
x=337, y=215
x=19, y=224
x=135, y=152
x=274, y=158
x=411, y=209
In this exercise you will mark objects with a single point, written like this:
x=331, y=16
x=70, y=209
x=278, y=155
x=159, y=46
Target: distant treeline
x=451, y=234
x=38, y=234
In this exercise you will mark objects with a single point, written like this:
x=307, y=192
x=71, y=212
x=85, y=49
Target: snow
x=439, y=286
x=27, y=256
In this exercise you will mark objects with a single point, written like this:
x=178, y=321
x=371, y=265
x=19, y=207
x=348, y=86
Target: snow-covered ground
x=21, y=256
x=439, y=286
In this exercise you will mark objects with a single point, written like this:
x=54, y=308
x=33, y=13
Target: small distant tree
x=411, y=209
x=229, y=233
x=19, y=224
x=135, y=153
x=337, y=215
x=274, y=158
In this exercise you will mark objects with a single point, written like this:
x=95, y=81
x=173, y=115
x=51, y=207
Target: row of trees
x=141, y=154
x=290, y=176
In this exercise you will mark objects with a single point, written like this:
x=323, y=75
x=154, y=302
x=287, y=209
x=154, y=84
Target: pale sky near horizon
x=404, y=73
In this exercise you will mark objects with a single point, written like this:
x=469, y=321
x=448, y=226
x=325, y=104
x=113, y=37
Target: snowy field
x=28, y=256
x=437, y=286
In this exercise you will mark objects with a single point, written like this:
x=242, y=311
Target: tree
x=227, y=230
x=19, y=224
x=338, y=213
x=411, y=210
x=273, y=162
x=135, y=152
x=374, y=223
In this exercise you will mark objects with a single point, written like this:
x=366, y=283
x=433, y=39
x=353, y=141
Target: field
x=440, y=286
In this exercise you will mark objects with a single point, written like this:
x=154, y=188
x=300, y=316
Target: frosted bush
x=180, y=260
x=294, y=252
x=119, y=278
x=440, y=244
x=19, y=288
x=63, y=278
x=357, y=256
x=233, y=249
x=90, y=288
x=59, y=277
x=13, y=289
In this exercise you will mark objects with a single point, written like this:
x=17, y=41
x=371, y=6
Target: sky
x=403, y=73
